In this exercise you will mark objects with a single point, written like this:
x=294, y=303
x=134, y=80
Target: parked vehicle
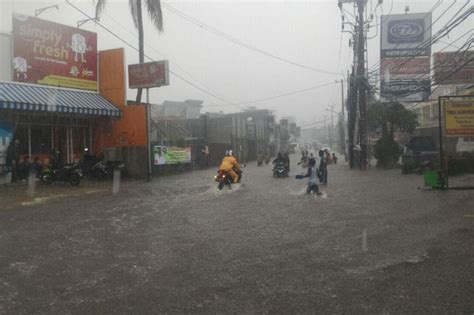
x=280, y=170
x=420, y=154
x=95, y=167
x=71, y=173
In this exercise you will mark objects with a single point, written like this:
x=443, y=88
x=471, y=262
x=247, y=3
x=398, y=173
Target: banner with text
x=165, y=155
x=459, y=117
x=53, y=54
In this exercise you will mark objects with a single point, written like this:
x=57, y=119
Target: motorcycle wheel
x=75, y=180
x=99, y=174
x=221, y=185
x=47, y=179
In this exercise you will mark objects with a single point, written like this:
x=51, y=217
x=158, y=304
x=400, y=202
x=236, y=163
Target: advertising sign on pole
x=459, y=117
x=406, y=90
x=53, y=54
x=405, y=66
x=148, y=75
x=453, y=67
x=405, y=52
x=171, y=155
x=406, y=35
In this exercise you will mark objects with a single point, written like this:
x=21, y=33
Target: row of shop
x=45, y=118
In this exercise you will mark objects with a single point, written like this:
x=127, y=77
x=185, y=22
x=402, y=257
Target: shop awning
x=29, y=97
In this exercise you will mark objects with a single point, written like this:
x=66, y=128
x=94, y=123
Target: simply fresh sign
x=53, y=54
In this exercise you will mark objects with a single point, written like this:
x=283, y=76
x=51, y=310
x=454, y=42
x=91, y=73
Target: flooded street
x=372, y=242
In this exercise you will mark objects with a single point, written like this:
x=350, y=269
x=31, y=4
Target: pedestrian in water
x=313, y=178
x=334, y=158
x=323, y=167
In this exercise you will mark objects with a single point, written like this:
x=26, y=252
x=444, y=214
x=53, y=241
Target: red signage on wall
x=53, y=54
x=411, y=66
x=148, y=75
x=454, y=67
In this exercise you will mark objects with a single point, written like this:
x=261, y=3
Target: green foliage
x=388, y=118
x=387, y=152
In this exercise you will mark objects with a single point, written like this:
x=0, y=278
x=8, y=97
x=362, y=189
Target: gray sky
x=305, y=32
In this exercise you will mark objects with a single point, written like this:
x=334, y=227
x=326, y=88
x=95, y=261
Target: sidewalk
x=25, y=193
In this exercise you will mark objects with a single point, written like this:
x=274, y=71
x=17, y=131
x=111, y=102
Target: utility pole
x=332, y=126
x=343, y=128
x=361, y=86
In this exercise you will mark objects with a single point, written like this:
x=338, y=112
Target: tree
x=154, y=11
x=388, y=118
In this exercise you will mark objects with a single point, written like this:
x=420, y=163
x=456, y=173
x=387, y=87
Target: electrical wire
x=239, y=42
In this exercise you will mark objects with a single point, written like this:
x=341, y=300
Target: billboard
x=453, y=67
x=459, y=117
x=405, y=57
x=171, y=155
x=404, y=66
x=406, y=35
x=148, y=75
x=407, y=90
x=53, y=54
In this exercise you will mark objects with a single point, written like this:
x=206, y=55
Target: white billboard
x=406, y=35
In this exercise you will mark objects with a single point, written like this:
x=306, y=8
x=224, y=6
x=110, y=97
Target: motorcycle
x=99, y=169
x=224, y=179
x=71, y=173
x=280, y=170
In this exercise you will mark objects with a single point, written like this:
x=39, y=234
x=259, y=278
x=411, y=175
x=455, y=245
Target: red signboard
x=147, y=75
x=453, y=67
x=53, y=54
x=410, y=66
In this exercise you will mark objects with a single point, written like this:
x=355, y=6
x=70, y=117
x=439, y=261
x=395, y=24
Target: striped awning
x=29, y=97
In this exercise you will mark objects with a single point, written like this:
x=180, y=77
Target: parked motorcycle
x=280, y=170
x=94, y=167
x=71, y=173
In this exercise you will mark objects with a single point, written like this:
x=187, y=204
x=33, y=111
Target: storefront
x=43, y=118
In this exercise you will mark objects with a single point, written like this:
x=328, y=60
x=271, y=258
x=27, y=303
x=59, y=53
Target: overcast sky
x=304, y=32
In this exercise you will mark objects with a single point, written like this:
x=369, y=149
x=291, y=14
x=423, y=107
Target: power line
x=287, y=94
x=431, y=40
x=151, y=59
x=239, y=42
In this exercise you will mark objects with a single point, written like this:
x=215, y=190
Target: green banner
x=171, y=155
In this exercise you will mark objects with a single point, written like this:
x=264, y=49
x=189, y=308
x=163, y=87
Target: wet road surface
x=372, y=243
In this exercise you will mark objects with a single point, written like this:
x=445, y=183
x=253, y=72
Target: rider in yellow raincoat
x=231, y=166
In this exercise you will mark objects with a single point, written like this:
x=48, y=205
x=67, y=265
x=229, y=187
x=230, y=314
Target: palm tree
x=154, y=11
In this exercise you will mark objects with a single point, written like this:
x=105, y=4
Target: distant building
x=171, y=109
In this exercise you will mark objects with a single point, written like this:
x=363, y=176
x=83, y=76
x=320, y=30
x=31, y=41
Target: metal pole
x=361, y=86
x=343, y=134
x=148, y=129
x=441, y=149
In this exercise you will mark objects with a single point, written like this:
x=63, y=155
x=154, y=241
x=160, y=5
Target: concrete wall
x=134, y=158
